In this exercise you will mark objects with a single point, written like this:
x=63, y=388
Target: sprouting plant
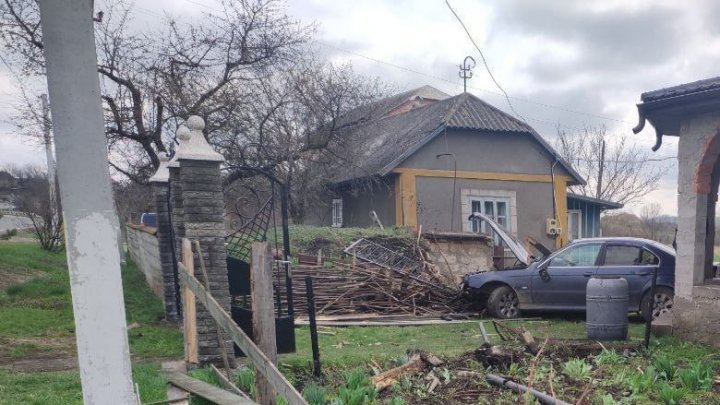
x=280, y=400
x=514, y=369
x=314, y=394
x=664, y=367
x=402, y=359
x=608, y=357
x=670, y=395
x=357, y=389
x=607, y=399
x=642, y=382
x=446, y=375
x=578, y=369
x=246, y=381
x=697, y=377
x=396, y=401
x=620, y=378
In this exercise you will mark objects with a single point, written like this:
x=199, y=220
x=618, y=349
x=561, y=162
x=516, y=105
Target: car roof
x=626, y=239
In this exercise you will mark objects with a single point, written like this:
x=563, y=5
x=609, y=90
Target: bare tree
x=650, y=217
x=152, y=80
x=614, y=168
x=33, y=199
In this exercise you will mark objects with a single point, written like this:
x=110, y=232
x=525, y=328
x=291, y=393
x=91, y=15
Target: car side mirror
x=544, y=275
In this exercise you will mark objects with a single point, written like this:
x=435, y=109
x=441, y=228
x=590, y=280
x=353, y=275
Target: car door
x=561, y=281
x=631, y=262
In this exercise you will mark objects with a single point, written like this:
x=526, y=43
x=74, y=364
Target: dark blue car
x=557, y=282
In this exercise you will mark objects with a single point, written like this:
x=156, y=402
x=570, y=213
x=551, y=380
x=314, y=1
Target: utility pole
x=90, y=221
x=50, y=157
x=466, y=71
x=598, y=193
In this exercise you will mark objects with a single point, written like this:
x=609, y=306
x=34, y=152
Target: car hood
x=512, y=242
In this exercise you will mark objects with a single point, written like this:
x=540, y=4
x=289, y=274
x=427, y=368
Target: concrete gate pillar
x=692, y=112
x=202, y=209
x=160, y=183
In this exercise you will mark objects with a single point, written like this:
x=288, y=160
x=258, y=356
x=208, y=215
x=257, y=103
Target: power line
x=484, y=61
x=443, y=79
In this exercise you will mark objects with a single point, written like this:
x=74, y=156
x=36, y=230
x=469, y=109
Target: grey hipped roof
x=380, y=143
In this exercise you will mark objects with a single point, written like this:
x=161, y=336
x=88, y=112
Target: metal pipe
x=542, y=397
x=651, y=308
x=286, y=248
x=313, y=326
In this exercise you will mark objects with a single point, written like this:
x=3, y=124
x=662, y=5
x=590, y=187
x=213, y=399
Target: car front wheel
x=663, y=302
x=503, y=303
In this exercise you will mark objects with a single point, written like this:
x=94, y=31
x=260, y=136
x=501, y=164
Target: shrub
x=578, y=369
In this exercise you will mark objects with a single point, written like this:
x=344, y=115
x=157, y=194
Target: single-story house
x=425, y=159
x=584, y=215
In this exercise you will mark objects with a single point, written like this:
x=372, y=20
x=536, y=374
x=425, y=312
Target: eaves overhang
x=666, y=112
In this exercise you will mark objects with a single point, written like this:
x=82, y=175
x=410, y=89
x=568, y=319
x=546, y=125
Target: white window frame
x=337, y=213
x=570, y=213
x=483, y=201
x=469, y=194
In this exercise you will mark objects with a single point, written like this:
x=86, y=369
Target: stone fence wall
x=457, y=254
x=142, y=245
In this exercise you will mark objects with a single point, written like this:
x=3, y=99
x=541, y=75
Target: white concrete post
x=90, y=220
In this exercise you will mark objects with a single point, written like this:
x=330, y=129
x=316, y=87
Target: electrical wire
x=484, y=61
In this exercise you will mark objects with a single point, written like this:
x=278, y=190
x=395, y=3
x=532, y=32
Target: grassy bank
x=37, y=329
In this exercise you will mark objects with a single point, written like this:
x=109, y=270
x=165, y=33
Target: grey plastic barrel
x=607, y=308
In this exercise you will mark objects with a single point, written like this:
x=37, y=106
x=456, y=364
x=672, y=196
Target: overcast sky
x=567, y=63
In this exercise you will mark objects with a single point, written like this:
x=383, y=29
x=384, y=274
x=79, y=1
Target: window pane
x=582, y=255
x=616, y=255
x=648, y=258
x=476, y=207
x=489, y=211
x=501, y=209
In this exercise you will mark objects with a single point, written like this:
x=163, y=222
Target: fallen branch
x=542, y=397
x=390, y=377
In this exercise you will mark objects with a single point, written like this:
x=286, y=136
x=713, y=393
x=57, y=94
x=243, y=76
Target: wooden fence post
x=263, y=315
x=189, y=310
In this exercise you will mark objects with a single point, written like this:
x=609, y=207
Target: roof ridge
x=459, y=99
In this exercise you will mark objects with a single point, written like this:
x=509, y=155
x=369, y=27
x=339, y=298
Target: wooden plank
x=227, y=383
x=378, y=323
x=263, y=314
x=205, y=390
x=262, y=364
x=176, y=395
x=189, y=310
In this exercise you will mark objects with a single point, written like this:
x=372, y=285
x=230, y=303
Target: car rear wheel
x=503, y=303
x=663, y=302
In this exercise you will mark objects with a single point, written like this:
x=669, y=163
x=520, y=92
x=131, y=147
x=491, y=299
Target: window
x=618, y=255
x=647, y=258
x=581, y=255
x=337, y=213
x=574, y=221
x=496, y=208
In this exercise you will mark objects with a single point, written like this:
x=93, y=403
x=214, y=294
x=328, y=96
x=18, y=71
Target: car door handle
x=588, y=274
x=643, y=273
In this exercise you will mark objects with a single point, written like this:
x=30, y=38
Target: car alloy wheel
x=508, y=305
x=663, y=303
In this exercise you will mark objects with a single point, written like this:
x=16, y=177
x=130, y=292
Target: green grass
x=308, y=239
x=37, y=313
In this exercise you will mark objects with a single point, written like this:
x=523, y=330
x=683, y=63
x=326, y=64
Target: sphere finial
x=195, y=123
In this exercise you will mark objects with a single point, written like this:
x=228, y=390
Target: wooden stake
x=263, y=315
x=189, y=310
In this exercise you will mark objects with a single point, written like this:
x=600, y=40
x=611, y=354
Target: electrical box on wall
x=553, y=227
